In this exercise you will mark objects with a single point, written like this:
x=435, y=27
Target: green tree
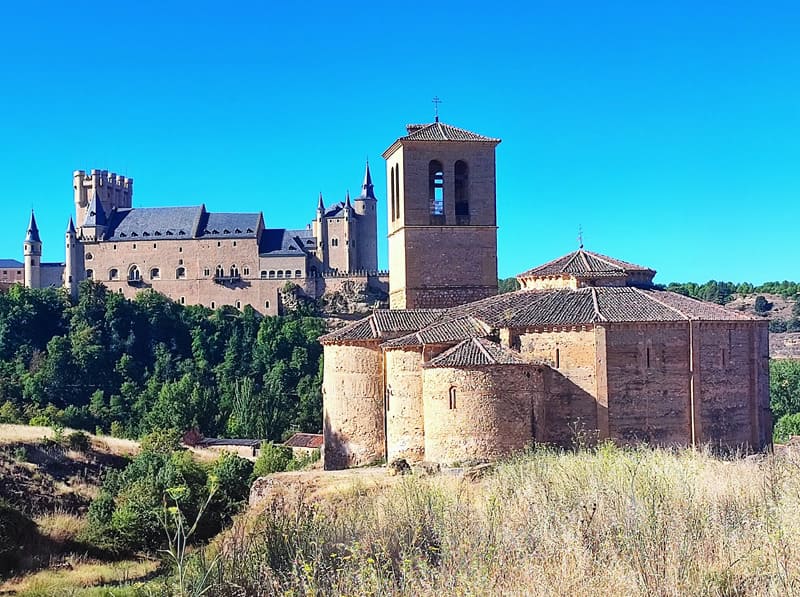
x=784, y=387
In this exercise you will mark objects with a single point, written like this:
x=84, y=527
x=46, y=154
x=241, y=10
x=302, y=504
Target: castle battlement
x=114, y=191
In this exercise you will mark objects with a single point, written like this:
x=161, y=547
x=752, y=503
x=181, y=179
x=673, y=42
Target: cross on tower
x=580, y=236
x=436, y=101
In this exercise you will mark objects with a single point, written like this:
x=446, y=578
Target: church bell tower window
x=461, y=188
x=436, y=191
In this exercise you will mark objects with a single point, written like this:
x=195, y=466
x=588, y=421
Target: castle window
x=280, y=273
x=461, y=188
x=219, y=244
x=113, y=274
x=155, y=274
x=234, y=271
x=238, y=304
x=263, y=274
x=89, y=256
x=558, y=358
x=89, y=274
x=133, y=274
x=180, y=249
x=180, y=273
x=134, y=246
x=207, y=271
x=436, y=189
x=183, y=300
x=234, y=243
x=272, y=273
x=648, y=357
x=334, y=242
x=213, y=305
x=115, y=247
x=452, y=398
x=245, y=271
x=155, y=245
x=266, y=304
x=219, y=272
x=298, y=273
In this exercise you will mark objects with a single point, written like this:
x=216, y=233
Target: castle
x=588, y=347
x=198, y=257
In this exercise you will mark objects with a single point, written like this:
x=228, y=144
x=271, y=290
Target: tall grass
x=607, y=521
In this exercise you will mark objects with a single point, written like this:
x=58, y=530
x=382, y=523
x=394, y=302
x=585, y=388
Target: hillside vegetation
x=600, y=522
x=127, y=367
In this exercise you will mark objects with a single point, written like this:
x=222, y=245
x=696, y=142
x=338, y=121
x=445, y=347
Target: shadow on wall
x=569, y=416
x=336, y=454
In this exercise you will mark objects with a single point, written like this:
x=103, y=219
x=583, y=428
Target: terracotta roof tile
x=476, y=352
x=439, y=131
x=363, y=329
x=392, y=321
x=583, y=262
x=304, y=440
x=445, y=332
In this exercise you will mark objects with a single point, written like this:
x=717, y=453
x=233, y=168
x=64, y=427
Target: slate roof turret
x=95, y=215
x=32, y=234
x=367, y=188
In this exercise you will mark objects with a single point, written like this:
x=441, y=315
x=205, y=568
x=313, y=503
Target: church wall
x=648, y=382
x=353, y=405
x=405, y=429
x=732, y=396
x=570, y=406
x=492, y=412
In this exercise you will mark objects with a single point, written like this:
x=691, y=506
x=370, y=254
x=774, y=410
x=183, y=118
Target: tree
x=784, y=387
x=762, y=305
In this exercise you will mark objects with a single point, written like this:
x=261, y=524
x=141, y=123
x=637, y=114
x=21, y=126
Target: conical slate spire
x=367, y=189
x=96, y=215
x=32, y=235
x=320, y=205
x=347, y=198
x=71, y=226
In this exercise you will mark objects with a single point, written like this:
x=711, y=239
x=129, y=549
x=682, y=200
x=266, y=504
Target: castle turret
x=112, y=190
x=33, y=255
x=73, y=260
x=365, y=206
x=95, y=225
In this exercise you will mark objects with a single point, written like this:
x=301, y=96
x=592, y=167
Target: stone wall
x=405, y=428
x=570, y=380
x=353, y=422
x=488, y=414
x=648, y=382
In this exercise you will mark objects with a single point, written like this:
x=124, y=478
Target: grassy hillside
x=614, y=522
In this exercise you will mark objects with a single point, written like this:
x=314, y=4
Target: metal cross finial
x=580, y=236
x=436, y=102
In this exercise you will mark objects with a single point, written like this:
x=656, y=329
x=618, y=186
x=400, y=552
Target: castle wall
x=405, y=428
x=367, y=235
x=341, y=243
x=733, y=388
x=353, y=405
x=648, y=382
x=570, y=408
x=491, y=415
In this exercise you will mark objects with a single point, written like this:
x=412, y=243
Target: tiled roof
x=155, y=222
x=304, y=440
x=279, y=242
x=586, y=263
x=439, y=131
x=11, y=264
x=384, y=323
x=229, y=225
x=360, y=330
x=444, y=332
x=476, y=352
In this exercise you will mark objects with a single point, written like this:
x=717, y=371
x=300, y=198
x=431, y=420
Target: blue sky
x=669, y=131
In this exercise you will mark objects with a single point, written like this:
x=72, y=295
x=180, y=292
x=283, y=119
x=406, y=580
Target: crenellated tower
x=113, y=192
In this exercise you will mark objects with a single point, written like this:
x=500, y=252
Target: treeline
x=722, y=292
x=127, y=367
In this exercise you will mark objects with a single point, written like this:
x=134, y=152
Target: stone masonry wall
x=353, y=425
x=648, y=383
x=405, y=429
x=570, y=381
x=492, y=412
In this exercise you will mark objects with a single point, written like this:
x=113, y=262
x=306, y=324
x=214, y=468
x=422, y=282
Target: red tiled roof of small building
x=439, y=131
x=585, y=263
x=304, y=440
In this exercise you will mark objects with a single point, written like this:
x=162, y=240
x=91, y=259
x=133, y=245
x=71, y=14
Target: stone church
x=588, y=347
x=199, y=257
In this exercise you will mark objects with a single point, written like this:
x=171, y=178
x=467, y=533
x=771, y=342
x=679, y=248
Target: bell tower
x=441, y=192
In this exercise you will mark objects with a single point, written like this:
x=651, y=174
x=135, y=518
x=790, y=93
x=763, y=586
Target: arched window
x=133, y=274
x=280, y=273
x=452, y=397
x=246, y=270
x=234, y=271
x=155, y=274
x=397, y=191
x=298, y=273
x=436, y=191
x=113, y=274
x=391, y=188
x=89, y=274
x=263, y=274
x=219, y=272
x=180, y=273
x=461, y=192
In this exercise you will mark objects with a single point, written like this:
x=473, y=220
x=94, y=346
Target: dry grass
x=61, y=527
x=14, y=434
x=76, y=575
x=615, y=522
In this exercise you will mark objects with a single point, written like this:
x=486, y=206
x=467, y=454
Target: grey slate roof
x=230, y=225
x=95, y=214
x=32, y=234
x=280, y=242
x=180, y=222
x=11, y=264
x=439, y=131
x=476, y=352
x=586, y=263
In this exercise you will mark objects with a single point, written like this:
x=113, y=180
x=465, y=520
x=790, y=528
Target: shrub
x=9, y=413
x=762, y=305
x=272, y=458
x=793, y=325
x=79, y=441
x=161, y=441
x=786, y=427
x=776, y=326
